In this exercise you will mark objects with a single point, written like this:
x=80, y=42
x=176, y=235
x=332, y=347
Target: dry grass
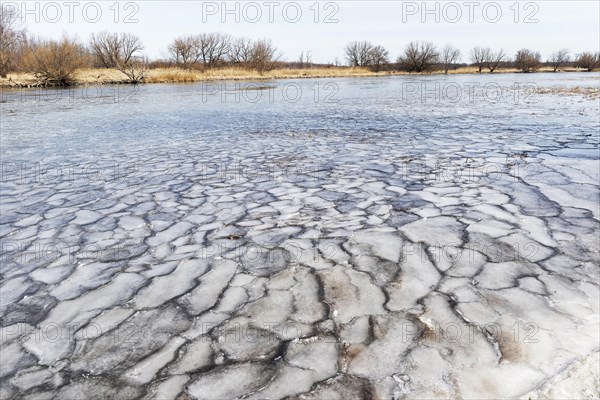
x=591, y=93
x=176, y=75
x=99, y=75
x=18, y=79
x=172, y=75
x=82, y=77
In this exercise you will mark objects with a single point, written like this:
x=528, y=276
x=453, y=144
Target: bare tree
x=527, y=60
x=449, y=56
x=213, y=47
x=358, y=53
x=588, y=61
x=106, y=48
x=305, y=58
x=378, y=57
x=136, y=69
x=120, y=51
x=559, y=58
x=55, y=62
x=366, y=54
x=131, y=46
x=240, y=51
x=10, y=37
x=264, y=57
x=114, y=50
x=309, y=58
x=419, y=56
x=184, y=51
x=478, y=57
x=493, y=59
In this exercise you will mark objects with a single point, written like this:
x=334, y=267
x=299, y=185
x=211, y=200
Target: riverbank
x=102, y=76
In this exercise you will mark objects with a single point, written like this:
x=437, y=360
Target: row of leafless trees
x=208, y=50
x=421, y=56
x=56, y=60
x=49, y=60
x=366, y=54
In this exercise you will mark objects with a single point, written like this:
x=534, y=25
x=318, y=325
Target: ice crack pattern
x=312, y=251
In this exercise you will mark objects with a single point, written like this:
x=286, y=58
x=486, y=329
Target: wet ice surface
x=170, y=245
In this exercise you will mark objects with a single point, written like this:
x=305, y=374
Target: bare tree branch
x=10, y=37
x=449, y=56
x=588, y=61
x=527, y=60
x=559, y=58
x=213, y=47
x=240, y=51
x=478, y=57
x=263, y=56
x=419, y=56
x=493, y=59
x=366, y=54
x=120, y=51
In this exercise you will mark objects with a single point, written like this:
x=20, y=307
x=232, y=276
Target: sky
x=325, y=27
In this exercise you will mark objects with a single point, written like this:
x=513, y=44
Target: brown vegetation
x=486, y=57
x=96, y=76
x=212, y=50
x=527, y=60
x=366, y=54
x=54, y=61
x=589, y=92
x=120, y=51
x=449, y=56
x=588, y=61
x=494, y=58
x=419, y=57
x=559, y=59
x=11, y=38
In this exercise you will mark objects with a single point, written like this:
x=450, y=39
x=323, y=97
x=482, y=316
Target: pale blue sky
x=571, y=24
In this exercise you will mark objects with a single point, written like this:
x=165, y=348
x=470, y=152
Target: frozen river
x=316, y=239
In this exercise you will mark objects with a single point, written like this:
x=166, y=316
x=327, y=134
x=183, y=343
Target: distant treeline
x=57, y=60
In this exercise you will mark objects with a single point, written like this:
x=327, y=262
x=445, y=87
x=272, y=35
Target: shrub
x=55, y=61
x=527, y=60
x=588, y=61
x=419, y=56
x=264, y=56
x=558, y=59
